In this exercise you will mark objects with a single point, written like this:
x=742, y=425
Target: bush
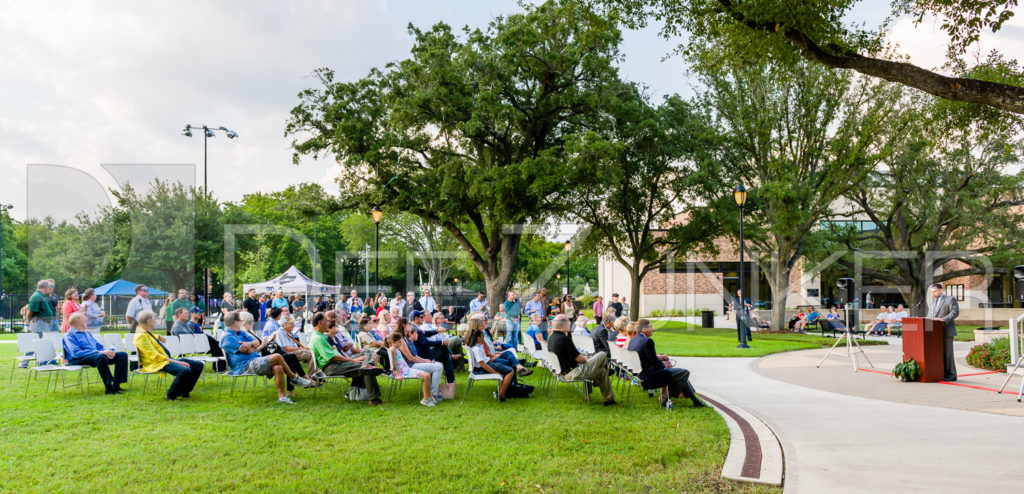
x=993, y=355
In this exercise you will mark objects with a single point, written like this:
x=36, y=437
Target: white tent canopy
x=293, y=281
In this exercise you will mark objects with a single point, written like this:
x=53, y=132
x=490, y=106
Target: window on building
x=955, y=291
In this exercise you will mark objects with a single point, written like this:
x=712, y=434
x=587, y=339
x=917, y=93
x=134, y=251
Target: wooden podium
x=922, y=341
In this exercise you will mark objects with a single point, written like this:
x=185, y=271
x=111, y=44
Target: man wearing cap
x=137, y=305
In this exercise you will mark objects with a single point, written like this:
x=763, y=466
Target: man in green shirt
x=182, y=302
x=332, y=363
x=40, y=312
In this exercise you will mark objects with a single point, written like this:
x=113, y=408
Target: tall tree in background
x=798, y=137
x=948, y=204
x=643, y=208
x=469, y=133
x=823, y=33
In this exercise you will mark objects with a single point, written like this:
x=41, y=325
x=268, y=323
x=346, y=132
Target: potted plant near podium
x=907, y=371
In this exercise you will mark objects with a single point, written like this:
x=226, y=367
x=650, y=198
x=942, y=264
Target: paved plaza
x=846, y=431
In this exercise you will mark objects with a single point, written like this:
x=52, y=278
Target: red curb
x=978, y=374
x=752, y=460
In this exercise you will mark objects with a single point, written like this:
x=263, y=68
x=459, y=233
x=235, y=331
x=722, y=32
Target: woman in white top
x=580, y=326
x=93, y=312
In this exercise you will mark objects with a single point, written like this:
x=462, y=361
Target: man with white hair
x=429, y=306
x=576, y=366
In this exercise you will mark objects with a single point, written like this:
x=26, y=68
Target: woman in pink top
x=70, y=306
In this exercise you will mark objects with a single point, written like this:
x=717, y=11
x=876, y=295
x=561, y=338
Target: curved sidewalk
x=840, y=443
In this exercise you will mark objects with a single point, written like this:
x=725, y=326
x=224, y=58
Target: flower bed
x=993, y=355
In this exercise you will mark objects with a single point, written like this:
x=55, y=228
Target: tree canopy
x=470, y=131
x=823, y=33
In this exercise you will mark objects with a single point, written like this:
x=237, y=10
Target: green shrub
x=993, y=355
x=907, y=371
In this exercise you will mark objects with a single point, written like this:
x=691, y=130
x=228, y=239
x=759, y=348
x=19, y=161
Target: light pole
x=208, y=132
x=3, y=209
x=740, y=194
x=366, y=267
x=568, y=247
x=377, y=215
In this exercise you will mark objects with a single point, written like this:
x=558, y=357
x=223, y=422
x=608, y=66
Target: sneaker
x=303, y=382
x=319, y=375
x=285, y=400
x=496, y=397
x=427, y=402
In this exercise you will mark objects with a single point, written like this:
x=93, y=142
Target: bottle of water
x=668, y=405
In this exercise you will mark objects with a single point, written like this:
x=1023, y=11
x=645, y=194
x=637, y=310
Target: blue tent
x=122, y=287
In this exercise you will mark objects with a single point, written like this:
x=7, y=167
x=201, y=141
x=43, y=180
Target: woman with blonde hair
x=621, y=326
x=154, y=357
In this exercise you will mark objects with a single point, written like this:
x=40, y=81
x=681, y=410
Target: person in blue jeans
x=81, y=348
x=494, y=351
x=513, y=314
x=483, y=363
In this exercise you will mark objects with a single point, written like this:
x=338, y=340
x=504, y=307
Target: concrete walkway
x=837, y=442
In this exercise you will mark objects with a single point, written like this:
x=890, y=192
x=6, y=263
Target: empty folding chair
x=26, y=345
x=45, y=352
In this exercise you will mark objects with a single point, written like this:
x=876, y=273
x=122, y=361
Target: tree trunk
x=780, y=292
x=497, y=270
x=634, y=293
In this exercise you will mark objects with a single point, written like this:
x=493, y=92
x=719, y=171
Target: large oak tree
x=469, y=132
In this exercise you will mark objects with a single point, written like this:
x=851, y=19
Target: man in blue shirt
x=535, y=307
x=81, y=348
x=478, y=304
x=243, y=353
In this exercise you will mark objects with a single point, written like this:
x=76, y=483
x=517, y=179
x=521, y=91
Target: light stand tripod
x=850, y=343
x=1010, y=376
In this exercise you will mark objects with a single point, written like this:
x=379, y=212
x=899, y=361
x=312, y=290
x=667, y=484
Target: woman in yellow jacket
x=154, y=357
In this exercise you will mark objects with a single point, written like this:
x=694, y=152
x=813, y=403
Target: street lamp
x=377, y=215
x=740, y=194
x=3, y=209
x=208, y=132
x=568, y=247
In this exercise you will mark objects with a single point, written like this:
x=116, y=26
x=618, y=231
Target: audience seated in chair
x=879, y=323
x=896, y=319
x=400, y=370
x=602, y=332
x=580, y=327
x=757, y=322
x=411, y=353
x=154, y=357
x=332, y=363
x=674, y=382
x=621, y=335
x=534, y=333
x=835, y=320
x=574, y=365
x=285, y=338
x=438, y=350
x=81, y=348
x=484, y=364
x=492, y=349
x=243, y=353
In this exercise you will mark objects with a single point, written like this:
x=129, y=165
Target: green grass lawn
x=247, y=443
x=687, y=340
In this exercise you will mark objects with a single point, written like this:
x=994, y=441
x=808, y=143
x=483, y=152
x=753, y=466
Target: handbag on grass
x=357, y=394
x=447, y=390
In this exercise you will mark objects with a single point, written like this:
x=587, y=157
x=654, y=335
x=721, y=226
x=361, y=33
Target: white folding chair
x=556, y=372
x=473, y=377
x=394, y=383
x=173, y=346
x=26, y=345
x=58, y=341
x=326, y=378
x=584, y=344
x=130, y=349
x=112, y=340
x=45, y=352
x=202, y=348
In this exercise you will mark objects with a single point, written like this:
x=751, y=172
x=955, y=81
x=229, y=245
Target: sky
x=91, y=83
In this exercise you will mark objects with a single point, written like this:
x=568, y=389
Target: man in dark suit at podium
x=945, y=307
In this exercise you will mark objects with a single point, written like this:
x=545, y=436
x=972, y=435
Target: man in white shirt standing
x=478, y=304
x=428, y=303
x=137, y=305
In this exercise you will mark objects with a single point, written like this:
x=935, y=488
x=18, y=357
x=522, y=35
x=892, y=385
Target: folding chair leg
x=469, y=386
x=27, y=381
